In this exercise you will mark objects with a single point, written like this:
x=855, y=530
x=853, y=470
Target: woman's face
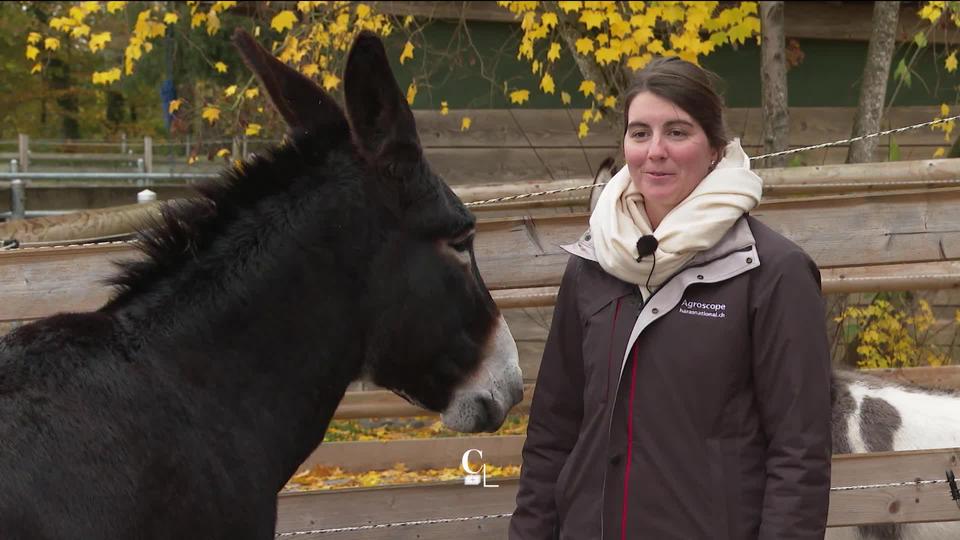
x=667, y=153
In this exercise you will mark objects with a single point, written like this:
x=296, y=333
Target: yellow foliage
x=252, y=93
x=171, y=18
x=606, y=55
x=411, y=93
x=519, y=96
x=220, y=7
x=330, y=81
x=584, y=45
x=252, y=130
x=931, y=11
x=99, y=41
x=220, y=67
x=583, y=130
x=939, y=152
x=33, y=38
x=283, y=20
x=106, y=77
x=37, y=68
x=51, y=44
x=588, y=87
x=444, y=109
x=197, y=19
x=407, y=52
x=567, y=7
x=310, y=70
x=80, y=31
x=951, y=62
x=210, y=114
x=213, y=23
x=465, y=123
x=547, y=84
x=591, y=19
x=113, y=7
x=565, y=98
x=174, y=105
x=554, y=53
x=230, y=90
x=223, y=152
x=32, y=52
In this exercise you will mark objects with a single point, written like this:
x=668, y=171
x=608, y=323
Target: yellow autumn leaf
x=304, y=7
x=407, y=53
x=174, y=105
x=283, y=20
x=546, y=84
x=465, y=123
x=443, y=108
x=33, y=38
x=606, y=55
x=584, y=45
x=106, y=77
x=519, y=96
x=171, y=18
x=597, y=116
x=310, y=70
x=37, y=68
x=588, y=87
x=554, y=53
x=610, y=102
x=565, y=98
x=583, y=130
x=99, y=41
x=213, y=23
x=330, y=81
x=637, y=62
x=944, y=110
x=951, y=63
x=220, y=67
x=548, y=20
x=32, y=52
x=51, y=44
x=223, y=152
x=252, y=130
x=113, y=7
x=362, y=11
x=940, y=152
x=411, y=93
x=192, y=159
x=230, y=90
x=252, y=93
x=210, y=114
x=220, y=7
x=592, y=19
x=80, y=31
x=197, y=19
x=567, y=7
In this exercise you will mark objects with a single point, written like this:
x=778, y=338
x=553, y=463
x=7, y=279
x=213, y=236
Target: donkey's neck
x=266, y=324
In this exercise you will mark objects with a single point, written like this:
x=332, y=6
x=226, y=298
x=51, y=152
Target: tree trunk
x=873, y=90
x=773, y=70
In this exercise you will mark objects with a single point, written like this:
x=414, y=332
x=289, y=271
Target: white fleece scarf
x=694, y=225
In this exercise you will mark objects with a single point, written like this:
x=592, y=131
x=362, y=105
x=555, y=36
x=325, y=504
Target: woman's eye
x=678, y=133
x=461, y=246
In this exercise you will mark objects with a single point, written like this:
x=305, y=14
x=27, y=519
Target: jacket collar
x=737, y=238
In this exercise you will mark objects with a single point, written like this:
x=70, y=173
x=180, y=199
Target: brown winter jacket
x=704, y=414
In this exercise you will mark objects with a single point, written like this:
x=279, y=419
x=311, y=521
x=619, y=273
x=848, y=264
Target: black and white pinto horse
x=180, y=408
x=875, y=415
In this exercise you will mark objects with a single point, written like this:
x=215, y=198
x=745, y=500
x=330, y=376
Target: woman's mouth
x=659, y=175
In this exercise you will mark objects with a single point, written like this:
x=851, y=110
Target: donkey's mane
x=184, y=228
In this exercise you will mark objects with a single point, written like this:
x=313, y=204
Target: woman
x=684, y=391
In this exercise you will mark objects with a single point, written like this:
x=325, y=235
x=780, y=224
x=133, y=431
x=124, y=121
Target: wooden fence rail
x=908, y=502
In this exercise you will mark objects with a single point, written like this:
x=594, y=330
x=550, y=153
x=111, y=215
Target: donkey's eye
x=463, y=241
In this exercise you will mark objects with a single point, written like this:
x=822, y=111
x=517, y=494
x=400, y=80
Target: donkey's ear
x=378, y=109
x=303, y=104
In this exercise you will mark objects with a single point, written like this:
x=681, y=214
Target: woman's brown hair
x=686, y=85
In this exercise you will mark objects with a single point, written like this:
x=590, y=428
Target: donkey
x=180, y=408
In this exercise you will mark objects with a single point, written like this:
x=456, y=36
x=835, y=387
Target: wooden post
x=123, y=143
x=148, y=154
x=24, y=142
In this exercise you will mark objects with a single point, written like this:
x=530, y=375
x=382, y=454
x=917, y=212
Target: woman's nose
x=656, y=149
